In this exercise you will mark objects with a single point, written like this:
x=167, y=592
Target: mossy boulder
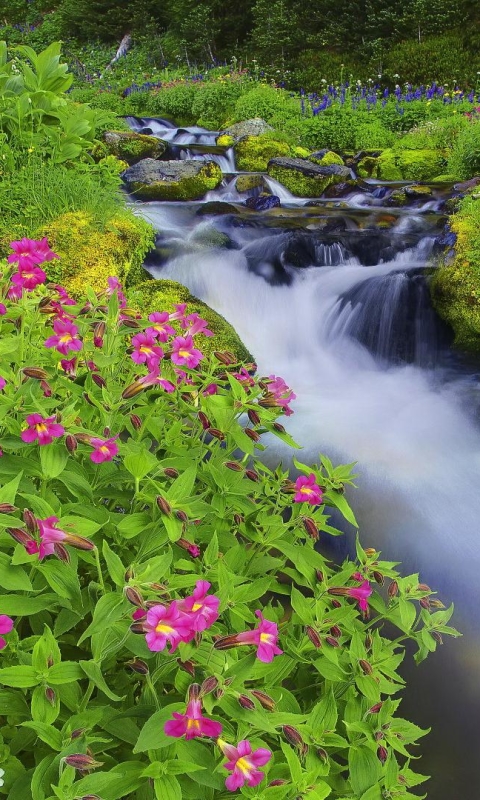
x=246, y=183
x=253, y=153
x=304, y=178
x=397, y=199
x=408, y=165
x=366, y=167
x=418, y=192
x=90, y=254
x=249, y=127
x=225, y=140
x=172, y=180
x=131, y=147
x=162, y=295
x=455, y=287
x=300, y=152
x=329, y=158
x=447, y=178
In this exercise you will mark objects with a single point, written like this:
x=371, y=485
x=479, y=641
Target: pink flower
x=195, y=325
x=6, y=626
x=184, y=352
x=50, y=535
x=15, y=293
x=43, y=429
x=179, y=313
x=190, y=547
x=243, y=763
x=160, y=329
x=104, y=449
x=69, y=366
x=200, y=607
x=28, y=278
x=359, y=593
x=3, y=309
x=182, y=377
x=192, y=723
x=307, y=490
x=154, y=378
x=167, y=625
x=282, y=394
x=212, y=388
x=244, y=377
x=65, y=298
x=65, y=338
x=264, y=637
x=30, y=252
x=114, y=285
x=145, y=350
x=3, y=383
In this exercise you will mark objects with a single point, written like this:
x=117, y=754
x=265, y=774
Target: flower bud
x=368, y=641
x=336, y=604
x=254, y=417
x=366, y=667
x=130, y=323
x=379, y=578
x=332, y=641
x=135, y=421
x=29, y=520
x=277, y=782
x=187, y=666
x=393, y=589
x=238, y=519
x=233, y=465
x=313, y=636
x=77, y=733
x=292, y=735
x=436, y=603
x=132, y=390
x=82, y=762
x=50, y=695
x=61, y=552
x=21, y=536
x=336, y=631
x=101, y=382
x=267, y=702
x=181, y=516
x=225, y=358
x=134, y=597
x=71, y=443
x=137, y=627
x=311, y=527
x=379, y=735
x=99, y=330
x=190, y=547
x=35, y=372
x=46, y=388
x=171, y=472
x=252, y=475
x=437, y=636
x=321, y=753
x=382, y=754
x=319, y=575
x=90, y=797
x=217, y=434
x=375, y=709
x=253, y=435
x=208, y=685
x=205, y=422
x=370, y=551
x=422, y=587
x=163, y=505
x=245, y=702
x=88, y=399
x=279, y=428
x=7, y=508
x=425, y=602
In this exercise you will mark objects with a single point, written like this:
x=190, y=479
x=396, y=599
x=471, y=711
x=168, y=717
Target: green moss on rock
x=129, y=146
x=225, y=140
x=386, y=168
x=408, y=165
x=328, y=158
x=253, y=153
x=366, y=167
x=162, y=295
x=172, y=180
x=245, y=183
x=89, y=254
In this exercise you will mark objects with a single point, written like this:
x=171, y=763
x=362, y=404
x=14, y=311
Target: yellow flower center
x=196, y=606
x=265, y=637
x=243, y=766
x=146, y=350
x=184, y=353
x=161, y=628
x=65, y=338
x=41, y=428
x=193, y=723
x=306, y=490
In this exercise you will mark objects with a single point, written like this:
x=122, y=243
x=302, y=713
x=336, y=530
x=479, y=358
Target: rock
x=300, y=250
x=447, y=239
x=328, y=157
x=409, y=165
x=245, y=183
x=367, y=166
x=397, y=199
x=225, y=140
x=264, y=202
x=209, y=237
x=318, y=155
x=250, y=127
x=444, y=178
x=340, y=189
x=131, y=147
x=304, y=178
x=253, y=153
x=172, y=180
x=418, y=192
x=467, y=186
x=217, y=208
x=162, y=295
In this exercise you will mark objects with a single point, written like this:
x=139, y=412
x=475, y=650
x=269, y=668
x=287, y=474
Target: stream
x=332, y=294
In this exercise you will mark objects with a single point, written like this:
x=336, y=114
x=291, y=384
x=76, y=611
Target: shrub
x=131, y=482
x=266, y=102
x=464, y=160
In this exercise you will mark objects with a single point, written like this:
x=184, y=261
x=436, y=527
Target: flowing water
x=333, y=296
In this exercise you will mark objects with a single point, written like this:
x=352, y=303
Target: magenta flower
x=195, y=325
x=28, y=279
x=167, y=625
x=50, y=536
x=6, y=626
x=282, y=394
x=307, y=490
x=30, y=252
x=264, y=637
x=43, y=429
x=65, y=337
x=154, y=378
x=243, y=763
x=200, y=607
x=69, y=365
x=244, y=377
x=104, y=449
x=212, y=388
x=359, y=593
x=15, y=293
x=179, y=313
x=184, y=352
x=192, y=723
x=65, y=298
x=146, y=351
x=3, y=383
x=160, y=329
x=114, y=285
x=3, y=309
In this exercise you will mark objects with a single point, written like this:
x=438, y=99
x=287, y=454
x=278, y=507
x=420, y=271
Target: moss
x=225, y=140
x=398, y=198
x=409, y=165
x=444, y=179
x=367, y=167
x=162, y=295
x=254, y=152
x=89, y=255
x=300, y=152
x=299, y=184
x=386, y=168
x=191, y=187
x=245, y=183
x=328, y=158
x=129, y=146
x=456, y=287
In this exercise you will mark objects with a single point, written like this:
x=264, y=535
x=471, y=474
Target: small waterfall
x=282, y=192
x=226, y=160
x=330, y=255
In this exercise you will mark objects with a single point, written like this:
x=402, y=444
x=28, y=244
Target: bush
x=464, y=160
x=266, y=102
x=131, y=482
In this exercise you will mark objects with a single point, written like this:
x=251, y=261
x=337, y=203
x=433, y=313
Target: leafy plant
x=132, y=481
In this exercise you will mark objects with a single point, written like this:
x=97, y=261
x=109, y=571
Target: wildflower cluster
x=130, y=475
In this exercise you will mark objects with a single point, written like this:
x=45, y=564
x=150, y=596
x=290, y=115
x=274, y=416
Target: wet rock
x=318, y=154
x=264, y=202
x=328, y=157
x=245, y=183
x=249, y=127
x=418, y=192
x=335, y=225
x=253, y=153
x=172, y=180
x=340, y=189
x=130, y=147
x=305, y=178
x=300, y=250
x=447, y=239
x=467, y=186
x=209, y=237
x=265, y=257
x=216, y=208
x=367, y=166
x=397, y=199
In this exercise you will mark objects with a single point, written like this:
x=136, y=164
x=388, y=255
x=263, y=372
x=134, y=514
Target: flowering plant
x=170, y=625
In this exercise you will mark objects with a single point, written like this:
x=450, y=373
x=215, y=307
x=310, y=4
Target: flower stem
x=99, y=568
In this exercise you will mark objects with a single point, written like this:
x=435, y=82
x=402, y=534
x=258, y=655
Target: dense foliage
x=166, y=601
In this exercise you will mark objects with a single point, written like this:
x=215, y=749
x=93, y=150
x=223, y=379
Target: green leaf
x=25, y=606
x=167, y=788
x=294, y=764
x=47, y=733
x=152, y=736
x=114, y=564
x=53, y=460
x=66, y=672
x=12, y=703
x=301, y=606
x=21, y=677
x=13, y=578
x=63, y=579
x=94, y=673
x=374, y=793
x=364, y=768
x=131, y=525
x=140, y=464
x=324, y=715
x=182, y=487
x=182, y=767
x=46, y=651
x=338, y=500
x=8, y=491
x=109, y=609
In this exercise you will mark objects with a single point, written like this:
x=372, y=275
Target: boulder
x=418, y=192
x=264, y=202
x=326, y=157
x=397, y=199
x=245, y=183
x=467, y=186
x=409, y=165
x=172, y=180
x=249, y=127
x=305, y=178
x=216, y=208
x=253, y=153
x=130, y=147
x=300, y=250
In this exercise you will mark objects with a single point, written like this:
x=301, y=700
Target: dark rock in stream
x=264, y=202
x=466, y=186
x=216, y=208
